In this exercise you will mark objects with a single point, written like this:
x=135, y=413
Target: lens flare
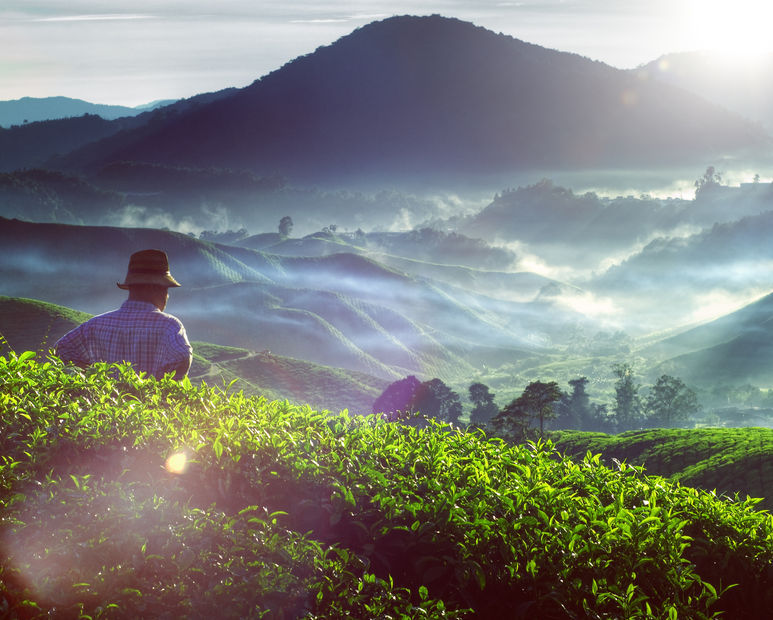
x=176, y=463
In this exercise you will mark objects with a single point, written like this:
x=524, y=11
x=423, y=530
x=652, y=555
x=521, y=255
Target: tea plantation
x=729, y=461
x=127, y=498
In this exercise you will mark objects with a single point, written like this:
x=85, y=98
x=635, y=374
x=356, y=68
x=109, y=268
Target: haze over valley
x=424, y=197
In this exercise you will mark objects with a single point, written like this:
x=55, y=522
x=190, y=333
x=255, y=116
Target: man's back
x=138, y=332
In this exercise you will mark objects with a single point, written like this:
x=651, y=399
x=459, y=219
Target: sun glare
x=740, y=28
x=176, y=463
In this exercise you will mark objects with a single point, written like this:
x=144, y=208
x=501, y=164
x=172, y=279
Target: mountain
x=33, y=144
x=735, y=349
x=33, y=325
x=679, y=275
x=342, y=310
x=413, y=97
x=743, y=85
x=31, y=109
x=38, y=144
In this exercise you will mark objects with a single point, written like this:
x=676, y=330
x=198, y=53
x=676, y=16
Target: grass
x=129, y=497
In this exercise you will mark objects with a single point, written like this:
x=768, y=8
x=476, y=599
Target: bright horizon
x=116, y=52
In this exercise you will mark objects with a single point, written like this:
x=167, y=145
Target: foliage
x=729, y=461
x=484, y=407
x=710, y=179
x=285, y=226
x=395, y=400
x=435, y=399
x=576, y=411
x=628, y=411
x=414, y=401
x=670, y=401
x=536, y=403
x=131, y=497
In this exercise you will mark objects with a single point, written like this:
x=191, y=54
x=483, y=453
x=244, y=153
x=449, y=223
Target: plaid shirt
x=138, y=332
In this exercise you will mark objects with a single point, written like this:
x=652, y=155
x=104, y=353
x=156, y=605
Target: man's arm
x=181, y=353
x=69, y=348
x=182, y=368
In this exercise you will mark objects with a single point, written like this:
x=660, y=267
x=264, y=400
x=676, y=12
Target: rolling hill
x=734, y=349
x=342, y=310
x=415, y=97
x=676, y=275
x=33, y=325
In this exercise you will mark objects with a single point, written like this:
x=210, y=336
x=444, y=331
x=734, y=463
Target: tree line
x=544, y=405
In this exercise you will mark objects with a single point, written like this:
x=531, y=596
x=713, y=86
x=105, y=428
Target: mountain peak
x=435, y=95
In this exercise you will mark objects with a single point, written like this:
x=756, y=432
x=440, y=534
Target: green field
x=127, y=498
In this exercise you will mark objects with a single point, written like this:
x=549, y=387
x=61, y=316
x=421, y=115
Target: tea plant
x=730, y=461
x=125, y=496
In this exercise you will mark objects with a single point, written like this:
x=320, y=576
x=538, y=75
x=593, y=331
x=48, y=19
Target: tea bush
x=130, y=497
x=728, y=460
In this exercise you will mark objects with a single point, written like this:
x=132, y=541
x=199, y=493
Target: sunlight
x=176, y=463
x=714, y=304
x=740, y=28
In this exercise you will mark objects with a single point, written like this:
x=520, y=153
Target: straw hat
x=148, y=267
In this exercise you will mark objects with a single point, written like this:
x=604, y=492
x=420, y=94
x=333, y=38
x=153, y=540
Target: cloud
x=93, y=18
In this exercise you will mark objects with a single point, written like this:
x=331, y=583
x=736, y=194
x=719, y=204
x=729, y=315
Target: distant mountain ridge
x=744, y=86
x=42, y=143
x=734, y=349
x=416, y=96
x=32, y=109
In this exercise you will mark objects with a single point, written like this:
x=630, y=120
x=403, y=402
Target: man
x=139, y=331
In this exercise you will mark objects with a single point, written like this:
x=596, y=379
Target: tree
x=435, y=399
x=710, y=179
x=627, y=399
x=396, y=400
x=484, y=408
x=670, y=401
x=406, y=397
x=574, y=410
x=285, y=226
x=536, y=403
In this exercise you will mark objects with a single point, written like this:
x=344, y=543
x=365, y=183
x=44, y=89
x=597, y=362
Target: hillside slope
x=741, y=85
x=341, y=310
x=729, y=460
x=32, y=325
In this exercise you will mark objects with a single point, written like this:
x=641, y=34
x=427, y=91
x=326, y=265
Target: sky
x=132, y=53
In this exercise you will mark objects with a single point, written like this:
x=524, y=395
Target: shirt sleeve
x=179, y=350
x=70, y=348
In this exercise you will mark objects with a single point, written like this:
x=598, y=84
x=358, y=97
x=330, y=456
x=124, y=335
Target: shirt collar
x=131, y=304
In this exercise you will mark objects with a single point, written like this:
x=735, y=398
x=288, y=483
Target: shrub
x=125, y=496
